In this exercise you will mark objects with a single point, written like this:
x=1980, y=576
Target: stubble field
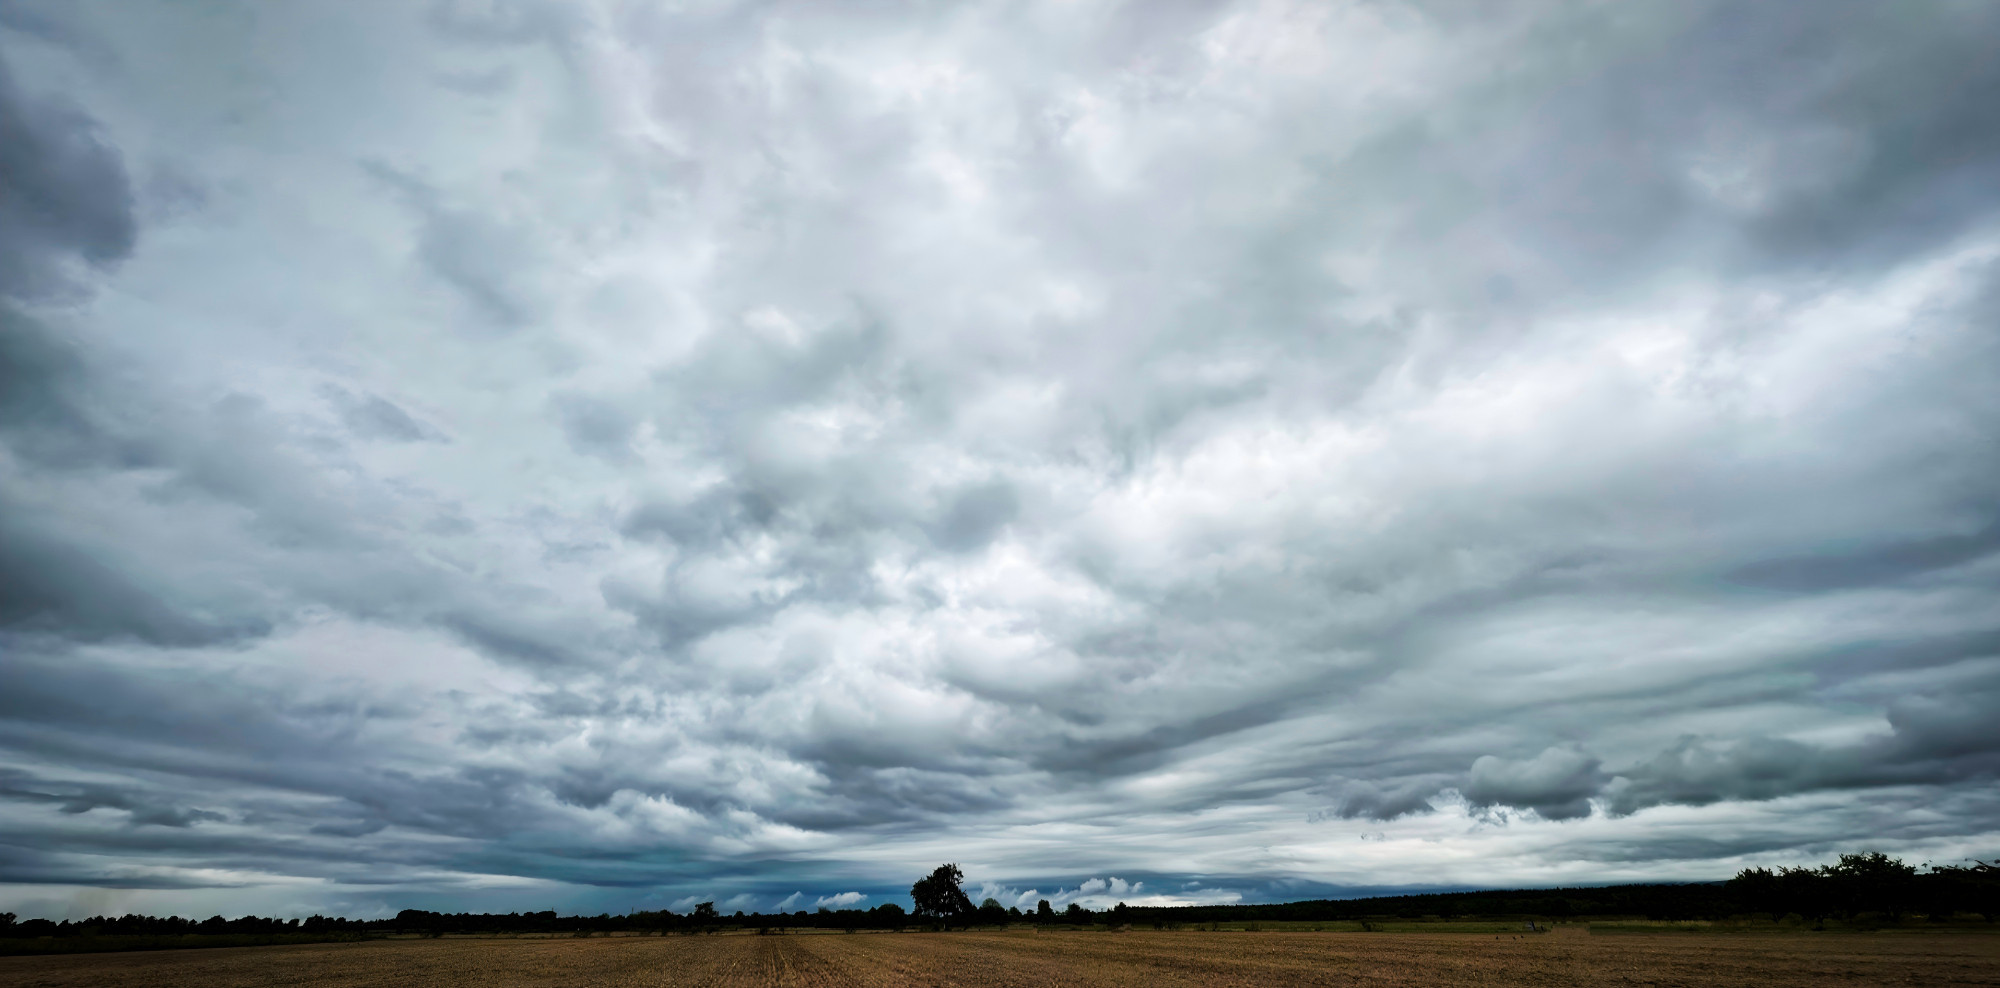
x=975, y=960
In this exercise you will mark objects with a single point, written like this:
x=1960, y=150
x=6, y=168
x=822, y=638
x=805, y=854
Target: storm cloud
x=610, y=455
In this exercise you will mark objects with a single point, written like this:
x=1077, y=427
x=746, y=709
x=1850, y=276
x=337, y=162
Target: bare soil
x=976, y=960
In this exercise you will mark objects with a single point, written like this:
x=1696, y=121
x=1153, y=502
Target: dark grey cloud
x=1691, y=772
x=1901, y=103
x=65, y=201
x=65, y=204
x=376, y=417
x=760, y=456
x=53, y=586
x=488, y=264
x=596, y=427
x=1366, y=800
x=974, y=515
x=83, y=799
x=67, y=195
x=44, y=417
x=1557, y=783
x=1933, y=740
x=1871, y=565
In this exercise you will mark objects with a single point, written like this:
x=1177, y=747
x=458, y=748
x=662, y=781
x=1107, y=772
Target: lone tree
x=939, y=898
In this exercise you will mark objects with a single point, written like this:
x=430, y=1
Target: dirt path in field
x=1048, y=960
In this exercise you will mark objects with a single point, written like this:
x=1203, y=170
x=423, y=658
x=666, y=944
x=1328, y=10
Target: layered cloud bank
x=518, y=455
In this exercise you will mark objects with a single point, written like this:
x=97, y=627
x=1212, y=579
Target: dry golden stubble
x=1026, y=958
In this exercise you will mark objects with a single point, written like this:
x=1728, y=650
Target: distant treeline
x=1870, y=884
x=703, y=918
x=1860, y=885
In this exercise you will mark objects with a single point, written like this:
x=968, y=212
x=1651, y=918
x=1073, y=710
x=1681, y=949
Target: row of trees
x=941, y=902
x=1870, y=883
x=703, y=918
x=1859, y=885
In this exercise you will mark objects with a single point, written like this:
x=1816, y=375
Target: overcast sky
x=596, y=456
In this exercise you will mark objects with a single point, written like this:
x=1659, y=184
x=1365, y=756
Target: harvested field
x=971, y=960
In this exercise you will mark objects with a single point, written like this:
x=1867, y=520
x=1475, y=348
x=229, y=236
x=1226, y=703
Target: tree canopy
x=939, y=897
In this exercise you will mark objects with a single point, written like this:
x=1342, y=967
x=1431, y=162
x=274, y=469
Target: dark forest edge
x=1865, y=891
